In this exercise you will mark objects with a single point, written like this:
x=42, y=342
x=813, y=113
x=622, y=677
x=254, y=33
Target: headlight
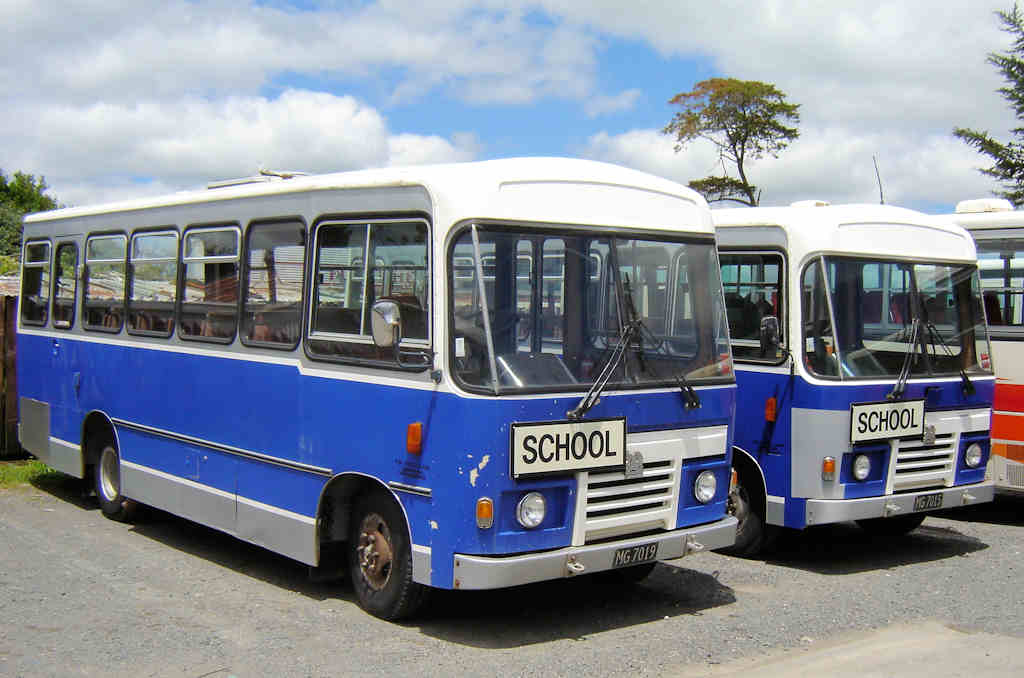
x=531, y=509
x=972, y=455
x=861, y=466
x=704, y=487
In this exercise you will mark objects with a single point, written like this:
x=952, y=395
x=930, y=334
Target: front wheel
x=380, y=559
x=892, y=527
x=108, y=486
x=752, y=534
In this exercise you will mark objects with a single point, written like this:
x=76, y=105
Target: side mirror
x=386, y=324
x=769, y=336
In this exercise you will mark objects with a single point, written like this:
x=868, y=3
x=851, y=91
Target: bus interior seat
x=993, y=313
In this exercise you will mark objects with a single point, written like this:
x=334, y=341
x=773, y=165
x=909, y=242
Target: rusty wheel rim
x=374, y=551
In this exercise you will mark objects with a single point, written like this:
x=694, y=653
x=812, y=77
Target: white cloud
x=603, y=105
x=833, y=164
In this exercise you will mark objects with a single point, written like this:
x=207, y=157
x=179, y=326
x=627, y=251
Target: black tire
x=752, y=534
x=107, y=475
x=380, y=559
x=894, y=526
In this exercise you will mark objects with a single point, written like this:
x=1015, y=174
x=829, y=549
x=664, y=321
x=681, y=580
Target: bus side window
x=35, y=295
x=65, y=285
x=753, y=285
x=358, y=263
x=152, y=284
x=103, y=302
x=275, y=271
x=209, y=304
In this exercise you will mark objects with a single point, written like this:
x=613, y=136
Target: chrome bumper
x=489, y=572
x=822, y=511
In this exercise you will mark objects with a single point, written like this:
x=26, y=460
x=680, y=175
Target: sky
x=111, y=100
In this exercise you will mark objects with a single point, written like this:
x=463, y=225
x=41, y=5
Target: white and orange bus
x=998, y=230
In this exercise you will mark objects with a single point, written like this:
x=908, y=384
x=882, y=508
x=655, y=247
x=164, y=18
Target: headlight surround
x=531, y=509
x=861, y=466
x=704, y=486
x=973, y=455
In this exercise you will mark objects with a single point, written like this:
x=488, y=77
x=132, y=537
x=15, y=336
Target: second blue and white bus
x=465, y=377
x=863, y=367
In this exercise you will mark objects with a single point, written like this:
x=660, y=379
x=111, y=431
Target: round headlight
x=704, y=487
x=531, y=509
x=972, y=455
x=861, y=466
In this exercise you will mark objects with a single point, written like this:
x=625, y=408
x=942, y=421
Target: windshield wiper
x=690, y=397
x=593, y=396
x=967, y=386
x=908, y=359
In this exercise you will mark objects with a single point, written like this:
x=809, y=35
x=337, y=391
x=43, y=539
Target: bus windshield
x=888, y=314
x=545, y=309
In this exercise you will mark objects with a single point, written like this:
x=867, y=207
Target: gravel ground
x=81, y=595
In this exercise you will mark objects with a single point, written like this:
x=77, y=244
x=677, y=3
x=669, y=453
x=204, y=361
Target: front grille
x=1015, y=475
x=920, y=466
x=615, y=505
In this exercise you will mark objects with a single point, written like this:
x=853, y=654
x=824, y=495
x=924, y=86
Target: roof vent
x=264, y=176
x=810, y=203
x=984, y=205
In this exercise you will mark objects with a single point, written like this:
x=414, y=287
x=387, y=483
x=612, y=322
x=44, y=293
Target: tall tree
x=19, y=195
x=744, y=119
x=1008, y=158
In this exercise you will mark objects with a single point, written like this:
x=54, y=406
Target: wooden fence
x=9, y=446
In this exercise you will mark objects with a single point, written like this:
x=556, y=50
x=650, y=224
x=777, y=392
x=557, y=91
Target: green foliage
x=1008, y=158
x=744, y=119
x=19, y=195
x=13, y=473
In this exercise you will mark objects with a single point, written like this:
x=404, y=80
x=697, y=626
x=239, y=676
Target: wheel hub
x=374, y=551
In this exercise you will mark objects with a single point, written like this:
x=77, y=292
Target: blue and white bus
x=465, y=376
x=862, y=364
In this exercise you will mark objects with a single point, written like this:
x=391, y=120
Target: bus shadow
x=567, y=608
x=66, y=488
x=504, y=618
x=1005, y=510
x=844, y=548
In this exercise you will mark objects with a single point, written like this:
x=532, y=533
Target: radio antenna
x=881, y=198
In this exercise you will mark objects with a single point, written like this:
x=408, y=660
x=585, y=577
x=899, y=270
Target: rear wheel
x=108, y=486
x=380, y=559
x=892, y=527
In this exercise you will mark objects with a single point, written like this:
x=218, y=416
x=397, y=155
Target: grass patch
x=13, y=473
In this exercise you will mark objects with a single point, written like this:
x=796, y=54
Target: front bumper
x=822, y=511
x=490, y=572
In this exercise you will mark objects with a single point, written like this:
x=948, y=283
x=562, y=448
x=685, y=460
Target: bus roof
x=869, y=230
x=986, y=213
x=552, y=190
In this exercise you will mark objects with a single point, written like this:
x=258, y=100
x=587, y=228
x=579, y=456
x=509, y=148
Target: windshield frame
x=717, y=339
x=928, y=364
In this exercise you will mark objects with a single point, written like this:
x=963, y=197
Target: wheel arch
x=335, y=505
x=96, y=423
x=746, y=465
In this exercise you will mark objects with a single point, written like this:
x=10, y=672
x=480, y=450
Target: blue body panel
x=770, y=443
x=342, y=426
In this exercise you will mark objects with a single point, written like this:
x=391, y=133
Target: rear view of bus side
x=465, y=376
x=862, y=365
x=998, y=231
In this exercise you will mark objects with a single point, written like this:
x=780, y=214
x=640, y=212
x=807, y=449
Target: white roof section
x=553, y=190
x=870, y=230
x=986, y=213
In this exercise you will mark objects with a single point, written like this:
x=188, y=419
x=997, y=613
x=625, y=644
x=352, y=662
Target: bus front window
x=875, y=305
x=543, y=310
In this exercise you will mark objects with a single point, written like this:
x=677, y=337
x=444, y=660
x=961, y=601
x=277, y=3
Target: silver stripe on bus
x=237, y=451
x=411, y=489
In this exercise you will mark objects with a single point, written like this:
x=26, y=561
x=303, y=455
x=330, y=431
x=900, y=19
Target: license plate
x=635, y=555
x=551, y=447
x=928, y=501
